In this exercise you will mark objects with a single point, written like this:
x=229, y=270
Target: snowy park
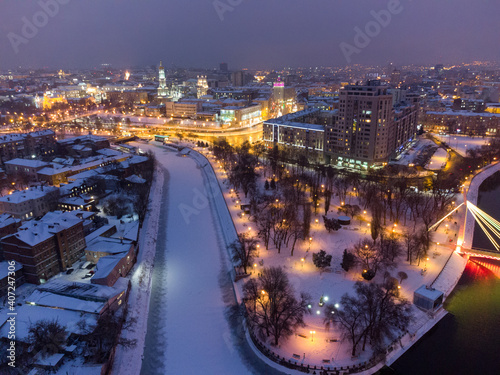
x=192, y=291
x=462, y=143
x=313, y=344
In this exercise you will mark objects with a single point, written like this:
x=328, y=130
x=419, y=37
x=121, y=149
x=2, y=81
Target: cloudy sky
x=244, y=33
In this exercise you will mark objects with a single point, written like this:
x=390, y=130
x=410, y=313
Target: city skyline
x=252, y=35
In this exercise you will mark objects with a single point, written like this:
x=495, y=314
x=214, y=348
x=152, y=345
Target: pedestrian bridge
x=489, y=225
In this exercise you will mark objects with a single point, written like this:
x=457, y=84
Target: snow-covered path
x=189, y=329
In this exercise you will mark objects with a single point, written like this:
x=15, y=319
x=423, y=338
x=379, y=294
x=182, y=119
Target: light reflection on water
x=466, y=341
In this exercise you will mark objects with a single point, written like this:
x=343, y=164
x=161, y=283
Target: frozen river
x=192, y=324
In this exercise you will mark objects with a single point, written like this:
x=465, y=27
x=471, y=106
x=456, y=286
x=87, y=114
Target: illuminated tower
x=202, y=86
x=279, y=97
x=162, y=87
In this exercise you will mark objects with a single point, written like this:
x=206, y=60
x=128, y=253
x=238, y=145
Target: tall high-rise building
x=223, y=67
x=162, y=87
x=396, y=78
x=238, y=78
x=202, y=86
x=365, y=130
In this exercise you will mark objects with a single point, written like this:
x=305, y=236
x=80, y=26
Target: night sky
x=251, y=34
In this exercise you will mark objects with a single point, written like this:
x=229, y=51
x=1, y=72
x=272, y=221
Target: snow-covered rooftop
x=99, y=232
x=35, y=192
x=28, y=315
x=109, y=245
x=30, y=163
x=106, y=264
x=430, y=293
x=85, y=291
x=52, y=300
x=135, y=179
x=7, y=219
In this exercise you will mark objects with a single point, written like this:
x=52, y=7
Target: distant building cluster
x=368, y=128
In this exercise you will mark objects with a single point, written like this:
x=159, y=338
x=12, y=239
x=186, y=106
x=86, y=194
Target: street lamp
x=310, y=240
x=312, y=335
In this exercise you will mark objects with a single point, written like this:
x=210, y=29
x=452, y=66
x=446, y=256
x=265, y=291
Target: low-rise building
x=28, y=167
x=33, y=202
x=241, y=116
x=21, y=145
x=47, y=246
x=80, y=297
x=463, y=122
x=299, y=132
x=8, y=224
x=183, y=108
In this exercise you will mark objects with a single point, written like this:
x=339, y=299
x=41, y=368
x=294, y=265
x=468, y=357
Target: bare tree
x=48, y=336
x=244, y=250
x=368, y=255
x=272, y=306
x=373, y=315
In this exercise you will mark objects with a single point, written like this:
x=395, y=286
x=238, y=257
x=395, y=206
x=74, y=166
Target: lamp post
x=312, y=335
x=310, y=240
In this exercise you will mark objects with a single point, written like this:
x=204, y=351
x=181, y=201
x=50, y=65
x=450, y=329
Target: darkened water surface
x=466, y=341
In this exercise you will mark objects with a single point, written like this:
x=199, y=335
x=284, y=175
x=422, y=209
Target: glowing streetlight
x=312, y=335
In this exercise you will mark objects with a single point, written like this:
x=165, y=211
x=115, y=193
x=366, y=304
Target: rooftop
x=28, y=315
x=109, y=245
x=107, y=264
x=429, y=293
x=34, y=192
x=31, y=163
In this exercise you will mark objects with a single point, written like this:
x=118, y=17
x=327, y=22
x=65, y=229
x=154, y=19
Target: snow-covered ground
x=409, y=156
x=438, y=160
x=127, y=360
x=313, y=349
x=462, y=143
x=188, y=331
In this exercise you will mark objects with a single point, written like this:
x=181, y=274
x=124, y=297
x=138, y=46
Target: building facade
x=33, y=145
x=369, y=130
x=46, y=247
x=463, y=122
x=298, y=132
x=31, y=203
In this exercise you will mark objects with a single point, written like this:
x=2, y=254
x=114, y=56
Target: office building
x=298, y=133
x=367, y=131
